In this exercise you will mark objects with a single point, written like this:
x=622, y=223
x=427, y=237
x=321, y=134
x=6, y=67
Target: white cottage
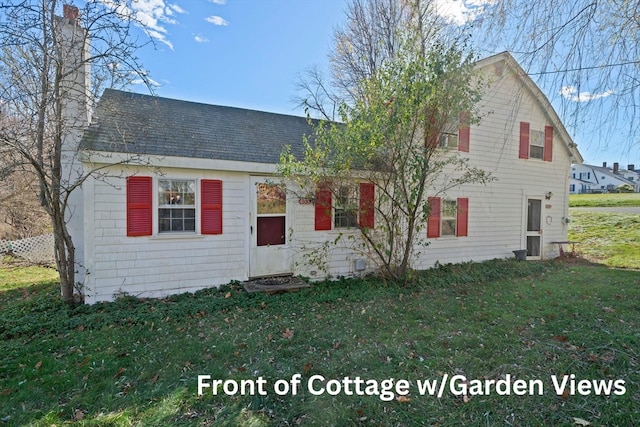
x=183, y=199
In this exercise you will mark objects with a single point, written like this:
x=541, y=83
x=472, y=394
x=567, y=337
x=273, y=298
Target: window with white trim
x=176, y=205
x=448, y=140
x=345, y=213
x=536, y=147
x=448, y=217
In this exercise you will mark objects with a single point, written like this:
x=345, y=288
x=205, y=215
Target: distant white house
x=602, y=179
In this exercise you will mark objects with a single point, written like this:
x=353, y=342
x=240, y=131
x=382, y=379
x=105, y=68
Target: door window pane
x=271, y=230
x=533, y=215
x=533, y=245
x=272, y=199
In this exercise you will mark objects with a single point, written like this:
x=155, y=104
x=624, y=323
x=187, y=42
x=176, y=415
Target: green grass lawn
x=137, y=362
x=612, y=239
x=17, y=276
x=604, y=200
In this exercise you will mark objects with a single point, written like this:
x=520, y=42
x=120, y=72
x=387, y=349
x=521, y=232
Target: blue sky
x=241, y=53
x=250, y=53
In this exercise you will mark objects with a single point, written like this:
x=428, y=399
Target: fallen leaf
x=403, y=399
x=84, y=362
x=288, y=334
x=80, y=328
x=154, y=379
x=609, y=309
x=560, y=338
x=5, y=392
x=120, y=372
x=79, y=415
x=228, y=295
x=581, y=422
x=38, y=365
x=307, y=367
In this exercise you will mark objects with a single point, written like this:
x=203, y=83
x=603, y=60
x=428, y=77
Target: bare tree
x=372, y=34
x=586, y=53
x=402, y=83
x=49, y=72
x=21, y=214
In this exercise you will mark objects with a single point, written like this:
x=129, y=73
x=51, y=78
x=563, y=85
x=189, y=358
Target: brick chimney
x=631, y=167
x=75, y=99
x=616, y=167
x=70, y=12
x=604, y=164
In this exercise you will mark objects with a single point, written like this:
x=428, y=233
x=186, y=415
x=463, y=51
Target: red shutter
x=211, y=206
x=367, y=206
x=323, y=208
x=139, y=206
x=548, y=143
x=433, y=224
x=464, y=132
x=462, y=217
x=524, y=140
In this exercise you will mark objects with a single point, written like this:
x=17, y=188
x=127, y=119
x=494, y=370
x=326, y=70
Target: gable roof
x=600, y=170
x=137, y=124
x=133, y=123
x=509, y=61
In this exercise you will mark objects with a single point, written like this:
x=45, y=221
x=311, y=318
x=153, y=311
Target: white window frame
x=536, y=141
x=449, y=141
x=342, y=210
x=166, y=202
x=448, y=215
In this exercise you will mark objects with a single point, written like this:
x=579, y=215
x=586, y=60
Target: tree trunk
x=65, y=257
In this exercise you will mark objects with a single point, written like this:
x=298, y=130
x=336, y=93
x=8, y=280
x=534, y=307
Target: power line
x=585, y=68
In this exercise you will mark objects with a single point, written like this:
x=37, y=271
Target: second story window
x=448, y=141
x=536, y=148
x=536, y=144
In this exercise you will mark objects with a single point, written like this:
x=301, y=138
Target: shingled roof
x=132, y=123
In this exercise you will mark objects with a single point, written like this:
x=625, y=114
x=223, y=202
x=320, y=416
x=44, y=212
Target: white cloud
x=216, y=20
x=151, y=15
x=459, y=12
x=200, y=38
x=174, y=8
x=139, y=79
x=218, y=1
x=571, y=93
